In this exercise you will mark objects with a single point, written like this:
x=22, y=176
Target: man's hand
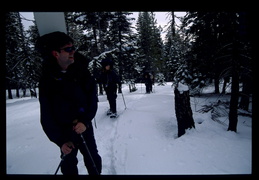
x=67, y=147
x=79, y=128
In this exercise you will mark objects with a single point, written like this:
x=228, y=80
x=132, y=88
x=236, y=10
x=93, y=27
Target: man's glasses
x=69, y=49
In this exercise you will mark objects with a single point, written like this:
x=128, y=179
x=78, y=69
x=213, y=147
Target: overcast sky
x=160, y=16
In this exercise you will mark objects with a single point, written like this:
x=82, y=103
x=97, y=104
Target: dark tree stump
x=183, y=111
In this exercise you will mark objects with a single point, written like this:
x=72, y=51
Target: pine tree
x=144, y=40
x=218, y=52
x=150, y=44
x=15, y=54
x=106, y=34
x=91, y=28
x=33, y=64
x=176, y=53
x=22, y=61
x=120, y=34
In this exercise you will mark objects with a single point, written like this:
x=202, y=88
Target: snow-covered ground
x=141, y=141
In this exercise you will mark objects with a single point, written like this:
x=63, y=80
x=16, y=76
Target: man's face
x=66, y=55
x=107, y=67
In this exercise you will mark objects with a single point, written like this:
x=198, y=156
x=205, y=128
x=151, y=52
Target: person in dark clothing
x=148, y=82
x=110, y=82
x=68, y=102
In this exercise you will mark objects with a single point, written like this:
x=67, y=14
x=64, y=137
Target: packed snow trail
x=147, y=119
x=142, y=140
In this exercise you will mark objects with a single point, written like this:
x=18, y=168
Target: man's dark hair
x=52, y=41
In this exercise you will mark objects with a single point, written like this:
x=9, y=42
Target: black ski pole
x=89, y=154
x=63, y=158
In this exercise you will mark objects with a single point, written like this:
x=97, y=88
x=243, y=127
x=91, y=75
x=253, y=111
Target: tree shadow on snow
x=168, y=127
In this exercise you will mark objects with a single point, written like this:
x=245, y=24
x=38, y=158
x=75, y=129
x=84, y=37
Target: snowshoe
x=113, y=115
x=109, y=112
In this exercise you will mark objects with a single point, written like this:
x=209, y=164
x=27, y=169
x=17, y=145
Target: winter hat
x=106, y=62
x=52, y=41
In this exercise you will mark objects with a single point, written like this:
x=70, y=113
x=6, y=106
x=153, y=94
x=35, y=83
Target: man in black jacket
x=68, y=102
x=109, y=79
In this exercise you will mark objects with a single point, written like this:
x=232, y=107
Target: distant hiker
x=111, y=82
x=68, y=102
x=148, y=82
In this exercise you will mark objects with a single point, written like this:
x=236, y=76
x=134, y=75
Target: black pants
x=112, y=96
x=148, y=87
x=69, y=165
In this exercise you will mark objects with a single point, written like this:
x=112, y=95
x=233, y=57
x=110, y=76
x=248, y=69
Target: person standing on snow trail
x=68, y=102
x=109, y=80
x=148, y=80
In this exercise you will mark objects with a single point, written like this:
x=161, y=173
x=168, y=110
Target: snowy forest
x=208, y=48
x=209, y=54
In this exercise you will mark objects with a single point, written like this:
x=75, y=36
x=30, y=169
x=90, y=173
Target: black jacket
x=65, y=97
x=110, y=80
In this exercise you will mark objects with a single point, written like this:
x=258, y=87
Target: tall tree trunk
x=120, y=52
x=100, y=33
x=100, y=88
x=9, y=90
x=248, y=31
x=216, y=85
x=233, y=118
x=17, y=92
x=173, y=24
x=183, y=111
